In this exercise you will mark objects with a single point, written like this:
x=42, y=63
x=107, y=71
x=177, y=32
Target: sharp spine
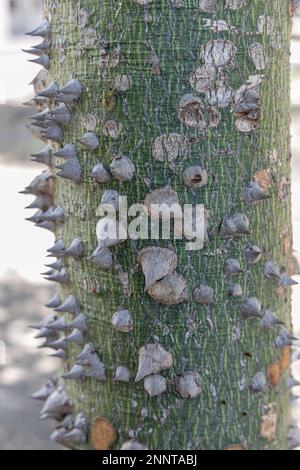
x=43, y=30
x=76, y=337
x=50, y=91
x=61, y=115
x=44, y=332
x=292, y=382
x=58, y=403
x=73, y=87
x=57, y=265
x=58, y=249
x=271, y=269
x=60, y=354
x=59, y=325
x=41, y=116
x=54, y=133
x=76, y=249
x=48, y=342
x=284, y=338
x=46, y=226
x=270, y=320
x=71, y=170
x=61, y=277
x=43, y=60
x=286, y=281
x=67, y=152
x=41, y=185
x=42, y=202
x=77, y=372
x=54, y=302
x=81, y=322
x=60, y=343
x=56, y=215
x=89, y=140
x=66, y=99
x=33, y=51
x=43, y=46
x=76, y=436
x=44, y=392
x=43, y=323
x=44, y=156
x=70, y=305
x=35, y=218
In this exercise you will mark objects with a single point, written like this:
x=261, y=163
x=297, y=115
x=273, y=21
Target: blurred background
x=23, y=247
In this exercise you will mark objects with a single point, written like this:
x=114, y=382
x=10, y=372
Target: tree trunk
x=161, y=84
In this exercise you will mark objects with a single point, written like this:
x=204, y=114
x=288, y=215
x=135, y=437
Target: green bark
x=159, y=49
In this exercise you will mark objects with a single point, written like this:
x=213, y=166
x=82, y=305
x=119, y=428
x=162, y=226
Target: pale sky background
x=22, y=246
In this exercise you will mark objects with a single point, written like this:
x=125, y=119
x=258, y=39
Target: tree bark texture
x=141, y=65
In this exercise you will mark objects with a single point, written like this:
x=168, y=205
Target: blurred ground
x=22, y=255
x=27, y=367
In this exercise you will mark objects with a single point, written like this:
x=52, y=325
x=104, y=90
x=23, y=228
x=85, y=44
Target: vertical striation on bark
x=141, y=66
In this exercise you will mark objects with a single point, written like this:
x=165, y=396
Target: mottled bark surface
x=157, y=44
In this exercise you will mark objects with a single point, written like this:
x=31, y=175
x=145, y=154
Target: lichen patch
x=268, y=424
x=218, y=53
x=264, y=178
x=170, y=147
x=103, y=434
x=203, y=78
